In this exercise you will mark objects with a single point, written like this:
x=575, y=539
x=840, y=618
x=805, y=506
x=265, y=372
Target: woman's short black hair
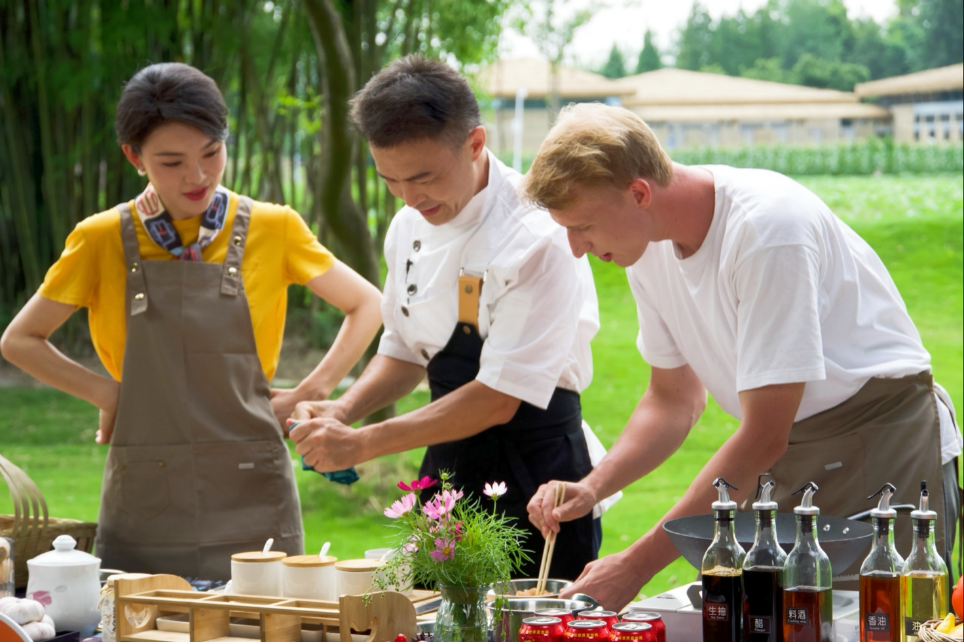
x=168, y=92
x=415, y=98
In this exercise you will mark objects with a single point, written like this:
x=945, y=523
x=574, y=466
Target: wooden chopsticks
x=550, y=544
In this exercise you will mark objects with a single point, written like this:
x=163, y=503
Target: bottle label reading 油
x=877, y=622
x=716, y=612
x=759, y=625
x=912, y=625
x=798, y=617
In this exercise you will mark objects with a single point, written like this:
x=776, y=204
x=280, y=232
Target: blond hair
x=593, y=144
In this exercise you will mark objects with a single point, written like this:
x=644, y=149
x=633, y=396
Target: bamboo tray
x=139, y=602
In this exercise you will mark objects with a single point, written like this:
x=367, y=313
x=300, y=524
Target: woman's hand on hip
x=283, y=402
x=327, y=444
x=108, y=413
x=318, y=409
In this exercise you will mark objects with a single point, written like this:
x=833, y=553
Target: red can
x=541, y=629
x=632, y=632
x=605, y=615
x=561, y=613
x=587, y=630
x=653, y=619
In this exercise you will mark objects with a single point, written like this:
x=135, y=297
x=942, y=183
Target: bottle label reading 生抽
x=877, y=622
x=759, y=625
x=716, y=612
x=797, y=617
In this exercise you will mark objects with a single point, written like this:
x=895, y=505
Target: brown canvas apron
x=198, y=468
x=889, y=431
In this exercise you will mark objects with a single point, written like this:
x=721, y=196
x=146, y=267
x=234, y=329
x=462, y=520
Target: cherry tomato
x=401, y=638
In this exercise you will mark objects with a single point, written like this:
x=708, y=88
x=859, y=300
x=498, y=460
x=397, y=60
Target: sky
x=625, y=21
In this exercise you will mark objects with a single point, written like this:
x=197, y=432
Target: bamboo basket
x=30, y=527
x=928, y=632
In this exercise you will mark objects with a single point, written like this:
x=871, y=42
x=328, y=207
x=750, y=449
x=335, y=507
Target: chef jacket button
x=417, y=245
x=133, y=267
x=123, y=467
x=425, y=354
x=232, y=271
x=466, y=329
x=237, y=240
x=405, y=311
x=412, y=289
x=139, y=297
x=160, y=463
x=468, y=288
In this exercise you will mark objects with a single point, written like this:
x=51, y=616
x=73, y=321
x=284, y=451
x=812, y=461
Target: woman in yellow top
x=186, y=291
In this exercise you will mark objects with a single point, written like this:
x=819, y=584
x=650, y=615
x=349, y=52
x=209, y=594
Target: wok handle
x=860, y=516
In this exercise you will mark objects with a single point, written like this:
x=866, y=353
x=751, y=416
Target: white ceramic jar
x=257, y=573
x=356, y=576
x=310, y=577
x=67, y=583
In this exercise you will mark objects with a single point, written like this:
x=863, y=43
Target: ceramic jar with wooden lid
x=357, y=576
x=310, y=577
x=257, y=573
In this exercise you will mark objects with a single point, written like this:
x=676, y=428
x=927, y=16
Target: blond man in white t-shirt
x=749, y=287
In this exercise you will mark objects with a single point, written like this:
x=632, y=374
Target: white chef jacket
x=537, y=310
x=781, y=290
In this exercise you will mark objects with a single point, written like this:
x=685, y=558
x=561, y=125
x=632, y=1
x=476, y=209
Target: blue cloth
x=345, y=477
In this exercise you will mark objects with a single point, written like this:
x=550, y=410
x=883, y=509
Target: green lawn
x=914, y=223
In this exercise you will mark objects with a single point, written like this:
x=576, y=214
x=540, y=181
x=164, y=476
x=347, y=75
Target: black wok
x=843, y=540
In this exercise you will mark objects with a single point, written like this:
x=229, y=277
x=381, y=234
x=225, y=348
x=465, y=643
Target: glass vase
x=461, y=617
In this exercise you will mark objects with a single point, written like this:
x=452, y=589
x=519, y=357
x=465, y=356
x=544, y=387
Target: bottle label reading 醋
x=877, y=622
x=759, y=625
x=716, y=612
x=798, y=616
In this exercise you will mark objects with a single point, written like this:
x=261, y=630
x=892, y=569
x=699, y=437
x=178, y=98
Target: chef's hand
x=318, y=409
x=327, y=444
x=613, y=581
x=579, y=502
x=108, y=414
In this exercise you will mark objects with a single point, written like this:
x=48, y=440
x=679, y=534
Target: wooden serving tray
x=139, y=602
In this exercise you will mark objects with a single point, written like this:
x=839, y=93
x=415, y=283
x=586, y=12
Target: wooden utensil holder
x=139, y=602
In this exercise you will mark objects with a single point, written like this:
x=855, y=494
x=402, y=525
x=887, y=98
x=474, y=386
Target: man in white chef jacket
x=749, y=287
x=484, y=296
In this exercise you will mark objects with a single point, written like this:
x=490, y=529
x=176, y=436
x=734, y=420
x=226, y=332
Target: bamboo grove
x=287, y=69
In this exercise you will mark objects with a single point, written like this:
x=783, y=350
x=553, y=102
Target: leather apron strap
x=198, y=468
x=889, y=431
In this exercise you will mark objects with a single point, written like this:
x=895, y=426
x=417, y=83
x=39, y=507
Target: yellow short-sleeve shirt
x=280, y=250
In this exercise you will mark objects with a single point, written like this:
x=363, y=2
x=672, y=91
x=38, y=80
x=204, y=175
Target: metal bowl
x=553, y=587
x=521, y=607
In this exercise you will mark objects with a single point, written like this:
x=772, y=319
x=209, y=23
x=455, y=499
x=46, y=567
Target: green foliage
x=615, y=66
x=830, y=74
x=873, y=156
x=769, y=69
x=649, y=57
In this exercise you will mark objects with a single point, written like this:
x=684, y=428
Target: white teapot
x=67, y=583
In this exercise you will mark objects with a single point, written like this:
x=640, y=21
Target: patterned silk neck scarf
x=159, y=225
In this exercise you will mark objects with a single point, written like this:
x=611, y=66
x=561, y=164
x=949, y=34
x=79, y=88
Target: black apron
x=536, y=446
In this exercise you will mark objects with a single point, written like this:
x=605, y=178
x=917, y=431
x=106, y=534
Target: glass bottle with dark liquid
x=880, y=613
x=923, y=580
x=807, y=579
x=722, y=578
x=763, y=574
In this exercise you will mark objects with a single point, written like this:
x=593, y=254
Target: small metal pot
x=521, y=607
x=553, y=587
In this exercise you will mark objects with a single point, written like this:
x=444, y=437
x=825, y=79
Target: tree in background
x=615, y=66
x=649, y=58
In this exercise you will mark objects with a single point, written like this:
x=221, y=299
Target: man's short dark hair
x=167, y=92
x=415, y=98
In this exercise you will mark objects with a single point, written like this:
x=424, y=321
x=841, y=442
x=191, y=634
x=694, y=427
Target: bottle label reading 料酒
x=716, y=612
x=759, y=625
x=797, y=617
x=877, y=622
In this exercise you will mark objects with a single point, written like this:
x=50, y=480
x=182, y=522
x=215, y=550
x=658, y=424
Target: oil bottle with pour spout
x=763, y=573
x=722, y=574
x=807, y=579
x=880, y=613
x=923, y=580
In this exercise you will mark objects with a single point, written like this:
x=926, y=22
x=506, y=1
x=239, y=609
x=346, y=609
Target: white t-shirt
x=780, y=291
x=537, y=310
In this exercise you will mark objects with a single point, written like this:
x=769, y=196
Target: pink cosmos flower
x=421, y=484
x=495, y=490
x=443, y=550
x=459, y=530
x=401, y=507
x=411, y=546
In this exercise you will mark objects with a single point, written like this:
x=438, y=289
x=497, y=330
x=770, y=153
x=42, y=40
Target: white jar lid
x=64, y=554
